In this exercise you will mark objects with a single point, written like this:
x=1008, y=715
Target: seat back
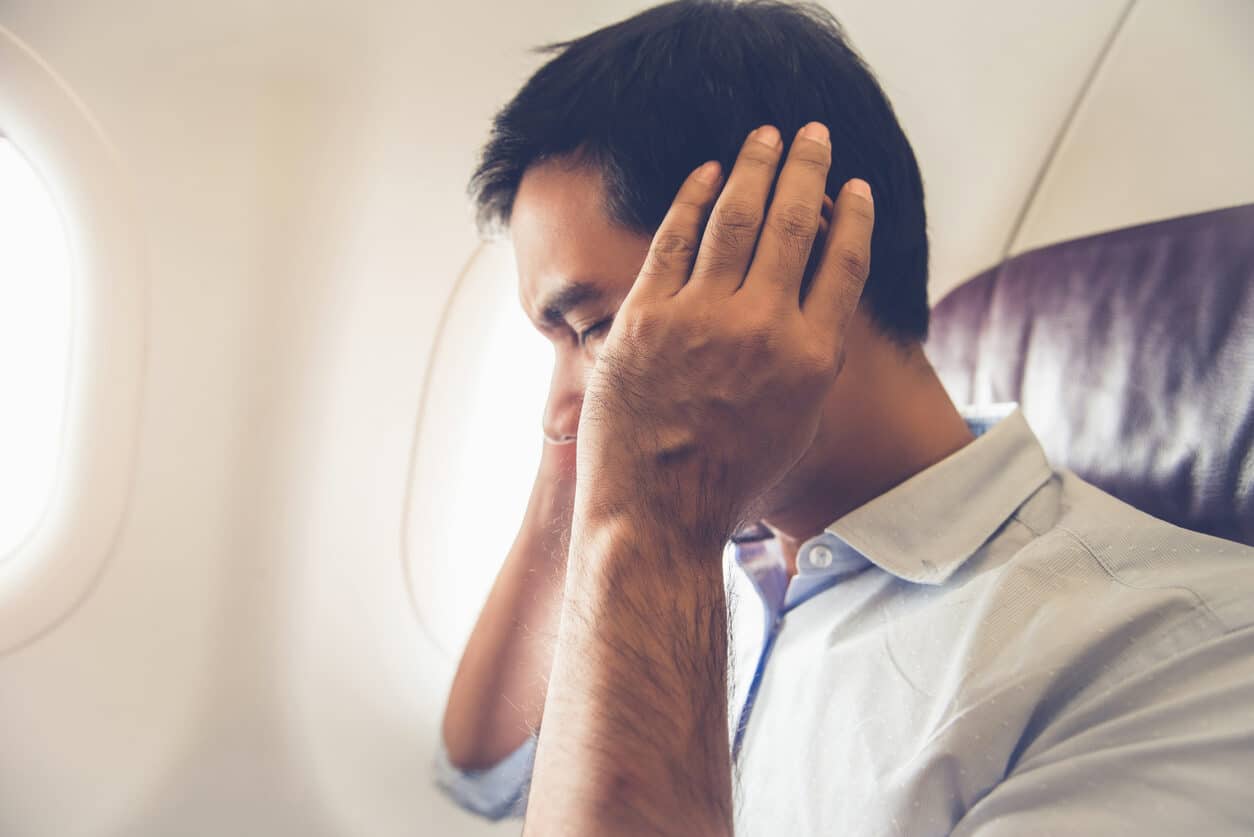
x=1132, y=355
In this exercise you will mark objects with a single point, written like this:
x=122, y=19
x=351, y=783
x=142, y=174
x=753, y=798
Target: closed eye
x=594, y=330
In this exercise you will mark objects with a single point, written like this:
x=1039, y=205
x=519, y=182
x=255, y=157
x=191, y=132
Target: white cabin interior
x=280, y=378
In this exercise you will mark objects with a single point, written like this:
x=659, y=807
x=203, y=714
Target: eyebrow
x=565, y=298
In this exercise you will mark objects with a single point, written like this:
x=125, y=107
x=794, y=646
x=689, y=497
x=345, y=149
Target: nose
x=561, y=413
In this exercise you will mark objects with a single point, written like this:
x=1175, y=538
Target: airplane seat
x=1132, y=355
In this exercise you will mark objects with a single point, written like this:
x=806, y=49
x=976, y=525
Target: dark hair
x=650, y=98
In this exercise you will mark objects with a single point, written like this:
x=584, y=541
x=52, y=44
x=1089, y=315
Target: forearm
x=635, y=738
x=497, y=696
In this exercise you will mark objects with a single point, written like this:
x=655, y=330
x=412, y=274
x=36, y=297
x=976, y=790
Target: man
x=719, y=225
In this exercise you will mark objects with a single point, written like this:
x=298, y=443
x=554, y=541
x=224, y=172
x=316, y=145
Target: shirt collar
x=926, y=528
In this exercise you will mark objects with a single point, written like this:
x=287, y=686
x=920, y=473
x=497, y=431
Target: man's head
x=584, y=162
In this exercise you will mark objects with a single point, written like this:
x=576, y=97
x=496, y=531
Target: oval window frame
x=490, y=258
x=61, y=560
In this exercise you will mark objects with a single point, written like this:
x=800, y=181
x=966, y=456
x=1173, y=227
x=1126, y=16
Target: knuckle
x=735, y=226
x=811, y=157
x=655, y=264
x=853, y=260
x=671, y=248
x=757, y=155
x=722, y=258
x=738, y=216
x=795, y=221
x=727, y=241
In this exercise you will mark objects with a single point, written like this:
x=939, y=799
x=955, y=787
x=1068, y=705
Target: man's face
x=575, y=267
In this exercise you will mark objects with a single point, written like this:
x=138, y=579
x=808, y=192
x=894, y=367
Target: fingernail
x=768, y=135
x=860, y=188
x=816, y=131
x=708, y=173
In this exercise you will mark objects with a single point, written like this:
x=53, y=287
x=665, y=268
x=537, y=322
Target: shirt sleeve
x=495, y=792
x=1167, y=752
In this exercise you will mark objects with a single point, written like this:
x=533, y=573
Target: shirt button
x=820, y=557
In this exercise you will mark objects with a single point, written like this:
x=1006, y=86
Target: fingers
x=669, y=261
x=732, y=234
x=845, y=263
x=779, y=241
x=793, y=218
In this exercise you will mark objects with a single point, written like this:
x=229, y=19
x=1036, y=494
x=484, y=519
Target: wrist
x=664, y=522
x=610, y=543
x=674, y=492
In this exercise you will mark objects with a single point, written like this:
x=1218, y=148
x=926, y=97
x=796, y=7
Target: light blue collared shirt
x=990, y=648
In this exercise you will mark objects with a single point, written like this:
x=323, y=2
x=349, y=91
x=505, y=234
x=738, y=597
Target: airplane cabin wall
x=249, y=660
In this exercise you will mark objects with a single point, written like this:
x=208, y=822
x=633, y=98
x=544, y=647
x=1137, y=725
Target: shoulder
x=1136, y=558
x=1079, y=591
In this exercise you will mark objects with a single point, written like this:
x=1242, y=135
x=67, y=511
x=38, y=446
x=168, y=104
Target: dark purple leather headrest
x=1132, y=354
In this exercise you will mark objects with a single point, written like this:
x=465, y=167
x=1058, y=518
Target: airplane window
x=478, y=447
x=35, y=323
